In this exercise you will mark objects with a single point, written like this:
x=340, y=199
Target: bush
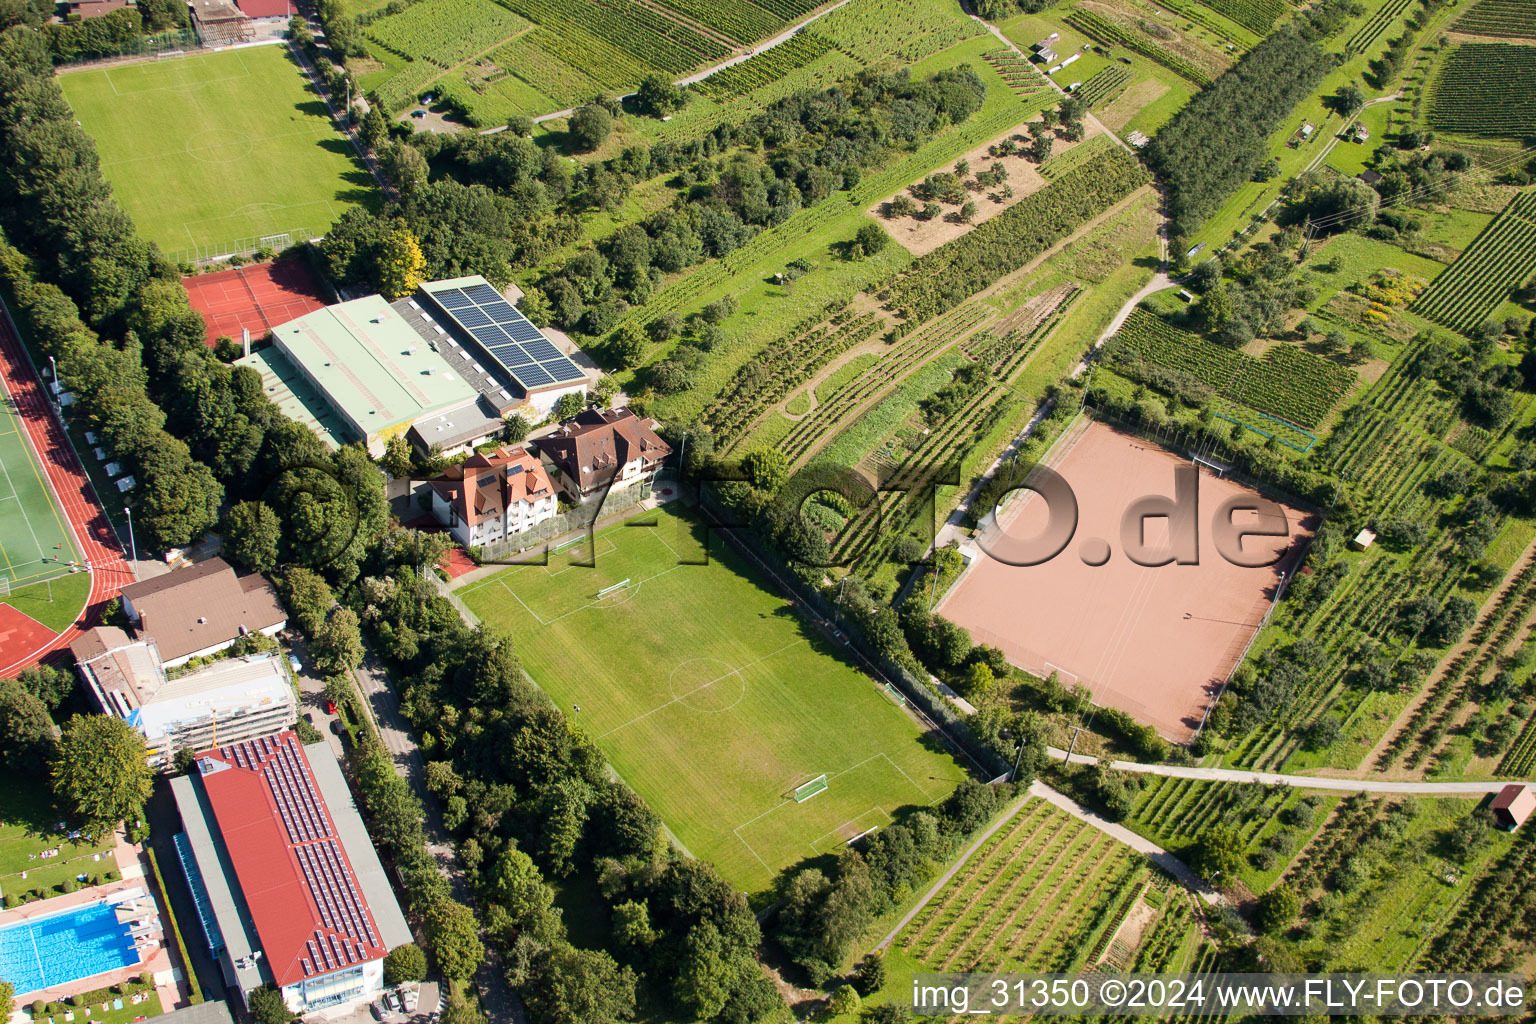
x=405, y=963
x=844, y=1001
x=869, y=975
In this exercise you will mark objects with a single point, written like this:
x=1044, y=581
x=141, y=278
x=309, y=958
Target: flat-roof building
x=288, y=887
x=440, y=367
x=372, y=367
x=226, y=702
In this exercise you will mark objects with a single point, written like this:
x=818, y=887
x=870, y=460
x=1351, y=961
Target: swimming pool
x=64, y=947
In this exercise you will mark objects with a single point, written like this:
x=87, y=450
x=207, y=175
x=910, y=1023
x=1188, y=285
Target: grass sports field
x=713, y=698
x=32, y=527
x=210, y=149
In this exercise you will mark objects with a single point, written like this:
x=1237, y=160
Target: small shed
x=1362, y=133
x=1513, y=805
x=1363, y=540
x=1370, y=177
x=1046, y=55
x=1046, y=42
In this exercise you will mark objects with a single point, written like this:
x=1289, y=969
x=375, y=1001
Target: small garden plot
x=1099, y=89
x=1112, y=33
x=766, y=68
x=908, y=30
x=945, y=204
x=1289, y=383
x=1294, y=385
x=1480, y=280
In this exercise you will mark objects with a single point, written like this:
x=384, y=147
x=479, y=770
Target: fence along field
x=1486, y=89
x=715, y=719
x=1498, y=260
x=1500, y=18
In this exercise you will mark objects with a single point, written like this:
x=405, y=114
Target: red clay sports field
x=1155, y=642
x=256, y=297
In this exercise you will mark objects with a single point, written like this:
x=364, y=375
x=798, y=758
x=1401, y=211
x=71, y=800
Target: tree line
x=530, y=803
x=1219, y=140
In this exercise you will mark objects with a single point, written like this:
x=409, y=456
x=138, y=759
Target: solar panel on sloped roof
x=482, y=293
x=562, y=369
x=524, y=331
x=472, y=317
x=452, y=298
x=534, y=376
x=542, y=350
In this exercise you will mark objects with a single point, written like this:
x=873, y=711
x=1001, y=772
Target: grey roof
x=366, y=868
x=495, y=385
x=456, y=427
x=229, y=910
x=209, y=1011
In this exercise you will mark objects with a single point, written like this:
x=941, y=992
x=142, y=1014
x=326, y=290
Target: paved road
x=382, y=706
x=1305, y=781
x=701, y=75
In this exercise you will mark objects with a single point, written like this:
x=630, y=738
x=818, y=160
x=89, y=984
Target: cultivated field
x=209, y=149
x=1024, y=177
x=1156, y=642
x=713, y=698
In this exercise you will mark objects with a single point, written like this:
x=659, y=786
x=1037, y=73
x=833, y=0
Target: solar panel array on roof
x=507, y=336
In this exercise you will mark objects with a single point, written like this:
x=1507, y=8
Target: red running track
x=94, y=536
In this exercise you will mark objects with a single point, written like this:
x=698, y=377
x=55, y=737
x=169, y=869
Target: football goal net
x=810, y=789
x=615, y=588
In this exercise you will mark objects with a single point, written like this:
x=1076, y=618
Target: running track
x=94, y=536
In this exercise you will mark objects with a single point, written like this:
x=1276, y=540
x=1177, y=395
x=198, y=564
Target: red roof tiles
x=309, y=913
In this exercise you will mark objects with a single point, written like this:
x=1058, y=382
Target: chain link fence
x=938, y=713
x=274, y=242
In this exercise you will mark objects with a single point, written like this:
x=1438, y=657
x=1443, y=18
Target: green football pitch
x=35, y=542
x=213, y=152
x=712, y=697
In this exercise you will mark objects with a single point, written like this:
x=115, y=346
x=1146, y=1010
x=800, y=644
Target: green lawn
x=712, y=698
x=28, y=823
x=33, y=534
x=55, y=603
x=216, y=151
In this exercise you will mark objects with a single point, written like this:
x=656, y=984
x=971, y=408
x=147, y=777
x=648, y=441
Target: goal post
x=807, y=790
x=617, y=586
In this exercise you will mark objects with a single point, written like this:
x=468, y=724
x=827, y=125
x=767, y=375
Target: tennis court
x=256, y=298
x=35, y=542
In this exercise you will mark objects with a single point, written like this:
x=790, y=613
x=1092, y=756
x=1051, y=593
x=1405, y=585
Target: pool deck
x=133, y=867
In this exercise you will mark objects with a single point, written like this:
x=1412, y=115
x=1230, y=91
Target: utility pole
x=132, y=547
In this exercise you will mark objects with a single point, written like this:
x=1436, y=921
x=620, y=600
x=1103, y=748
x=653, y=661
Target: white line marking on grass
x=9, y=565
x=674, y=700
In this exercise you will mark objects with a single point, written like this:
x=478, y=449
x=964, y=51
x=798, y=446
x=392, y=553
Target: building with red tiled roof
x=258, y=9
x=491, y=497
x=1513, y=805
x=288, y=887
x=602, y=450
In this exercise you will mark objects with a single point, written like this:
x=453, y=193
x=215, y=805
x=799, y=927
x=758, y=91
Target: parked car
x=378, y=1009
x=418, y=112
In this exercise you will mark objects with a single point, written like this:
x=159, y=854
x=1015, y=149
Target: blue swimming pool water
x=65, y=947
